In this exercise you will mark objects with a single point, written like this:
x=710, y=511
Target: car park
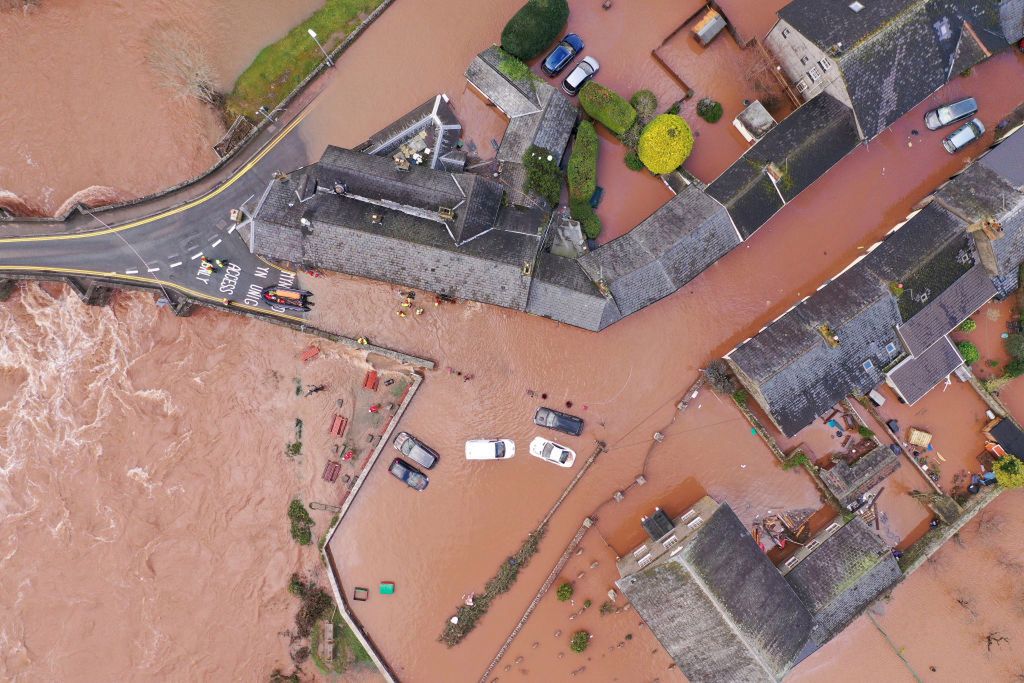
x=951, y=113
x=583, y=72
x=414, y=449
x=552, y=452
x=490, y=449
x=562, y=55
x=963, y=136
x=559, y=421
x=408, y=474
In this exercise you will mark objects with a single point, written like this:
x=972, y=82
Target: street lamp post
x=312, y=34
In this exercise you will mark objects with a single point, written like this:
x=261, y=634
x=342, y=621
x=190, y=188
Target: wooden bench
x=338, y=426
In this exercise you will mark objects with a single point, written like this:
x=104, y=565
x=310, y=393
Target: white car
x=583, y=72
x=490, y=449
x=552, y=452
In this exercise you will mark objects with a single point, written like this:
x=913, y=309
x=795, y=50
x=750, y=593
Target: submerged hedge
x=582, y=177
x=607, y=107
x=535, y=26
x=665, y=143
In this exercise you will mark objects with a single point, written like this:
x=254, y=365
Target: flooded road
x=220, y=546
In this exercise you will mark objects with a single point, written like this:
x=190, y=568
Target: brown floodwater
x=206, y=406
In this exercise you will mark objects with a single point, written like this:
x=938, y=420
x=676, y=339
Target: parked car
x=950, y=113
x=405, y=472
x=414, y=449
x=963, y=136
x=490, y=449
x=562, y=55
x=562, y=422
x=583, y=72
x=552, y=452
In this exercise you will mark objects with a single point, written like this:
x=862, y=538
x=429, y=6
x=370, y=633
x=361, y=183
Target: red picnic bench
x=372, y=381
x=338, y=426
x=309, y=353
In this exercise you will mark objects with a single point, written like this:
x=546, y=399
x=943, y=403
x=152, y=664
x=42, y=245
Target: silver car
x=963, y=136
x=583, y=72
x=950, y=113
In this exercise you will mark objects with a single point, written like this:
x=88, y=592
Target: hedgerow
x=607, y=107
x=535, y=26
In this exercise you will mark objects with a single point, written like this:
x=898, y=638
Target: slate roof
x=561, y=290
x=917, y=375
x=944, y=312
x=719, y=607
x=792, y=370
x=843, y=576
x=894, y=53
x=1009, y=437
x=849, y=482
x=513, y=98
x=671, y=247
x=803, y=146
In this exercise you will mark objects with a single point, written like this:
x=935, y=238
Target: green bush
x=582, y=172
x=514, y=68
x=1015, y=345
x=580, y=641
x=1009, y=472
x=581, y=211
x=1015, y=368
x=565, y=592
x=740, y=396
x=968, y=326
x=607, y=107
x=969, y=352
x=665, y=144
x=674, y=109
x=535, y=26
x=633, y=162
x=543, y=176
x=709, y=110
x=646, y=104
x=798, y=459
x=301, y=522
x=865, y=432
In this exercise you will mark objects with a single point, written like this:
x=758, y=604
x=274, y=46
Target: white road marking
x=154, y=270
x=175, y=264
x=133, y=271
x=215, y=244
x=197, y=256
x=232, y=228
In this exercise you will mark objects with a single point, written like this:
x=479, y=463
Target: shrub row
x=582, y=174
x=607, y=107
x=301, y=522
x=535, y=26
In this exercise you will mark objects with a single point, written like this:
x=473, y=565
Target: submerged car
x=583, y=72
x=408, y=474
x=561, y=56
x=552, y=452
x=950, y=113
x=562, y=422
x=414, y=449
x=490, y=449
x=963, y=136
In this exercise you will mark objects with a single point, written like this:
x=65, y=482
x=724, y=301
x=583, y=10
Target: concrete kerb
x=332, y=574
x=79, y=210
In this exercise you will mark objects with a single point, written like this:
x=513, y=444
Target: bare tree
x=989, y=523
x=183, y=66
x=965, y=600
x=995, y=638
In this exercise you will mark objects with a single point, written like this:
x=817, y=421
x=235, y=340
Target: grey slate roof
x=950, y=308
x=719, y=607
x=1009, y=437
x=895, y=53
x=513, y=98
x=561, y=290
x=917, y=375
x=671, y=247
x=843, y=576
x=788, y=365
x=849, y=482
x=803, y=146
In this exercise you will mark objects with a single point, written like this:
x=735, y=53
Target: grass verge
x=282, y=65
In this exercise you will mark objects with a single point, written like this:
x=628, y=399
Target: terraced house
x=887, y=316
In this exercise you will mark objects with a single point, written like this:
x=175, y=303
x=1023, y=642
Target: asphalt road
x=164, y=249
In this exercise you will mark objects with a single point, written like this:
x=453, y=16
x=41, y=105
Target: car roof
x=574, y=40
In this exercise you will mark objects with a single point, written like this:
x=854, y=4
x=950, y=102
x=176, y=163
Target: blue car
x=562, y=55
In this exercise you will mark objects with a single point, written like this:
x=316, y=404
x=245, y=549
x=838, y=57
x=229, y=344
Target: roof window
x=869, y=366
x=890, y=348
x=856, y=6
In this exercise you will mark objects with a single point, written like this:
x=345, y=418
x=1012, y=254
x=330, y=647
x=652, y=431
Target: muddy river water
x=142, y=481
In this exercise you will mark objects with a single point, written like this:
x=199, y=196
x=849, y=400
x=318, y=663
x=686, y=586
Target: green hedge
x=543, y=176
x=534, y=27
x=665, y=143
x=581, y=211
x=709, y=110
x=969, y=352
x=607, y=107
x=582, y=174
x=633, y=162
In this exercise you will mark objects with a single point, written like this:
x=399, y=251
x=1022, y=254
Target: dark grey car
x=562, y=422
x=414, y=449
x=408, y=474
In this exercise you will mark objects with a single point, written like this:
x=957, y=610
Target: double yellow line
x=184, y=207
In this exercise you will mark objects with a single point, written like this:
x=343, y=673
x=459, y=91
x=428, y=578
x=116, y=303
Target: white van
x=490, y=449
